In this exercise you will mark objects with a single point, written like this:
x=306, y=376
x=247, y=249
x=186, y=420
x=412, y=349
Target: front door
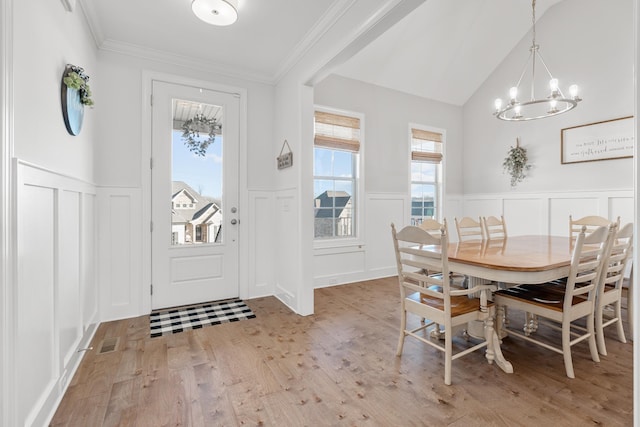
x=194, y=196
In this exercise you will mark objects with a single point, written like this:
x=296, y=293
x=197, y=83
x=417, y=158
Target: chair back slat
x=494, y=228
x=468, y=228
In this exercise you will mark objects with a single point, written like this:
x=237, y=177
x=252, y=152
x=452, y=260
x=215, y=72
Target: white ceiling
x=428, y=53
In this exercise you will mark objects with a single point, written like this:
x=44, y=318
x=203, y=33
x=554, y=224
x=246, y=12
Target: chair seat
x=544, y=297
x=459, y=304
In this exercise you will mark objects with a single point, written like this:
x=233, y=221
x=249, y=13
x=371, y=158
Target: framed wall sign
x=609, y=139
x=285, y=159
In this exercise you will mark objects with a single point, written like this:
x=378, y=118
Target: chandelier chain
x=533, y=20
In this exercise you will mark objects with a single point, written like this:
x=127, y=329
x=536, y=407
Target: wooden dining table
x=514, y=260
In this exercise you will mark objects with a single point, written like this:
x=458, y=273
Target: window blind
x=337, y=132
x=426, y=146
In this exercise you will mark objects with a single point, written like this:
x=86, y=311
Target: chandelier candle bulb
x=573, y=90
x=498, y=104
x=513, y=94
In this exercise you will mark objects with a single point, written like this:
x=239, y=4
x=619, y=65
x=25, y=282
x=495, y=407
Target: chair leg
x=618, y=311
x=403, y=327
x=602, y=347
x=593, y=347
x=448, y=353
x=566, y=349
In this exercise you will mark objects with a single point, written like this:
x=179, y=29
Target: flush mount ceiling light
x=216, y=12
x=536, y=108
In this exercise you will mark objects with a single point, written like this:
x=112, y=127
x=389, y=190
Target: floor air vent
x=108, y=345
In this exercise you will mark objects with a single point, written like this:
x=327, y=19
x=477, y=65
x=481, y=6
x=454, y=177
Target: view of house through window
x=335, y=170
x=426, y=164
x=196, y=168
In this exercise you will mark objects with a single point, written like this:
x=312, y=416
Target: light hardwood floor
x=337, y=367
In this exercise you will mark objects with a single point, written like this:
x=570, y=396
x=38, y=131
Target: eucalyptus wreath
x=516, y=163
x=191, y=133
x=77, y=79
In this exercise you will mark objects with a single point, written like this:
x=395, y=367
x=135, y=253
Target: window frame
x=439, y=176
x=357, y=199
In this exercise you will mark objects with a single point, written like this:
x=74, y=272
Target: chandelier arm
x=524, y=69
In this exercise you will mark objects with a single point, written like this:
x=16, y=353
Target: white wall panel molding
x=120, y=247
x=548, y=212
x=261, y=237
x=52, y=313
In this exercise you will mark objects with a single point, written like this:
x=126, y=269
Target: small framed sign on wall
x=285, y=159
x=609, y=139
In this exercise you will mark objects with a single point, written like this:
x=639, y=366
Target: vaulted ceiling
x=428, y=53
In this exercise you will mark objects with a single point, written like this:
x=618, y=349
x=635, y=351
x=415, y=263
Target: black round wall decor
x=72, y=108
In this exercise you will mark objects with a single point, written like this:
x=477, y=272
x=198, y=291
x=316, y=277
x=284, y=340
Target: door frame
x=145, y=167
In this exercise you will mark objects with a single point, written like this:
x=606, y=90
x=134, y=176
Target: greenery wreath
x=191, y=133
x=78, y=80
x=516, y=163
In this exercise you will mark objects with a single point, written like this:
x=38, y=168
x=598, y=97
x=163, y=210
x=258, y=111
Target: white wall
x=44, y=42
x=123, y=176
x=388, y=114
x=588, y=42
x=51, y=304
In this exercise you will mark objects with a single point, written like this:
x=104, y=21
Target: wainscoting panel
x=119, y=267
x=261, y=238
x=53, y=312
x=534, y=211
x=70, y=318
x=36, y=349
x=375, y=258
x=477, y=207
x=382, y=210
x=288, y=272
x=88, y=256
x=548, y=213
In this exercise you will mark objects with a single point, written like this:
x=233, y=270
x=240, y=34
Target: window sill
x=338, y=246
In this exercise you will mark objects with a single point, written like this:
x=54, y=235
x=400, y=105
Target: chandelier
x=536, y=108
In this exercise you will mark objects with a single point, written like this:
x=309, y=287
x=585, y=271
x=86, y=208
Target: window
x=335, y=174
x=426, y=172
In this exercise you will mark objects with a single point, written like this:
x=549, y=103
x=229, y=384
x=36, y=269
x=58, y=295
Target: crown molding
x=183, y=61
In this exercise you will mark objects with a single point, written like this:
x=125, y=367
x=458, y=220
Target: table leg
x=494, y=352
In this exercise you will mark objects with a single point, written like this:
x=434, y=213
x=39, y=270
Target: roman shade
x=337, y=132
x=426, y=146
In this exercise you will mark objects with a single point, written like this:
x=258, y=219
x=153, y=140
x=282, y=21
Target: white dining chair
x=562, y=309
x=469, y=229
x=610, y=287
x=591, y=222
x=430, y=297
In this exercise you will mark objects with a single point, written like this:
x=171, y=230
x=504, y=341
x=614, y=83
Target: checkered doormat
x=171, y=321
